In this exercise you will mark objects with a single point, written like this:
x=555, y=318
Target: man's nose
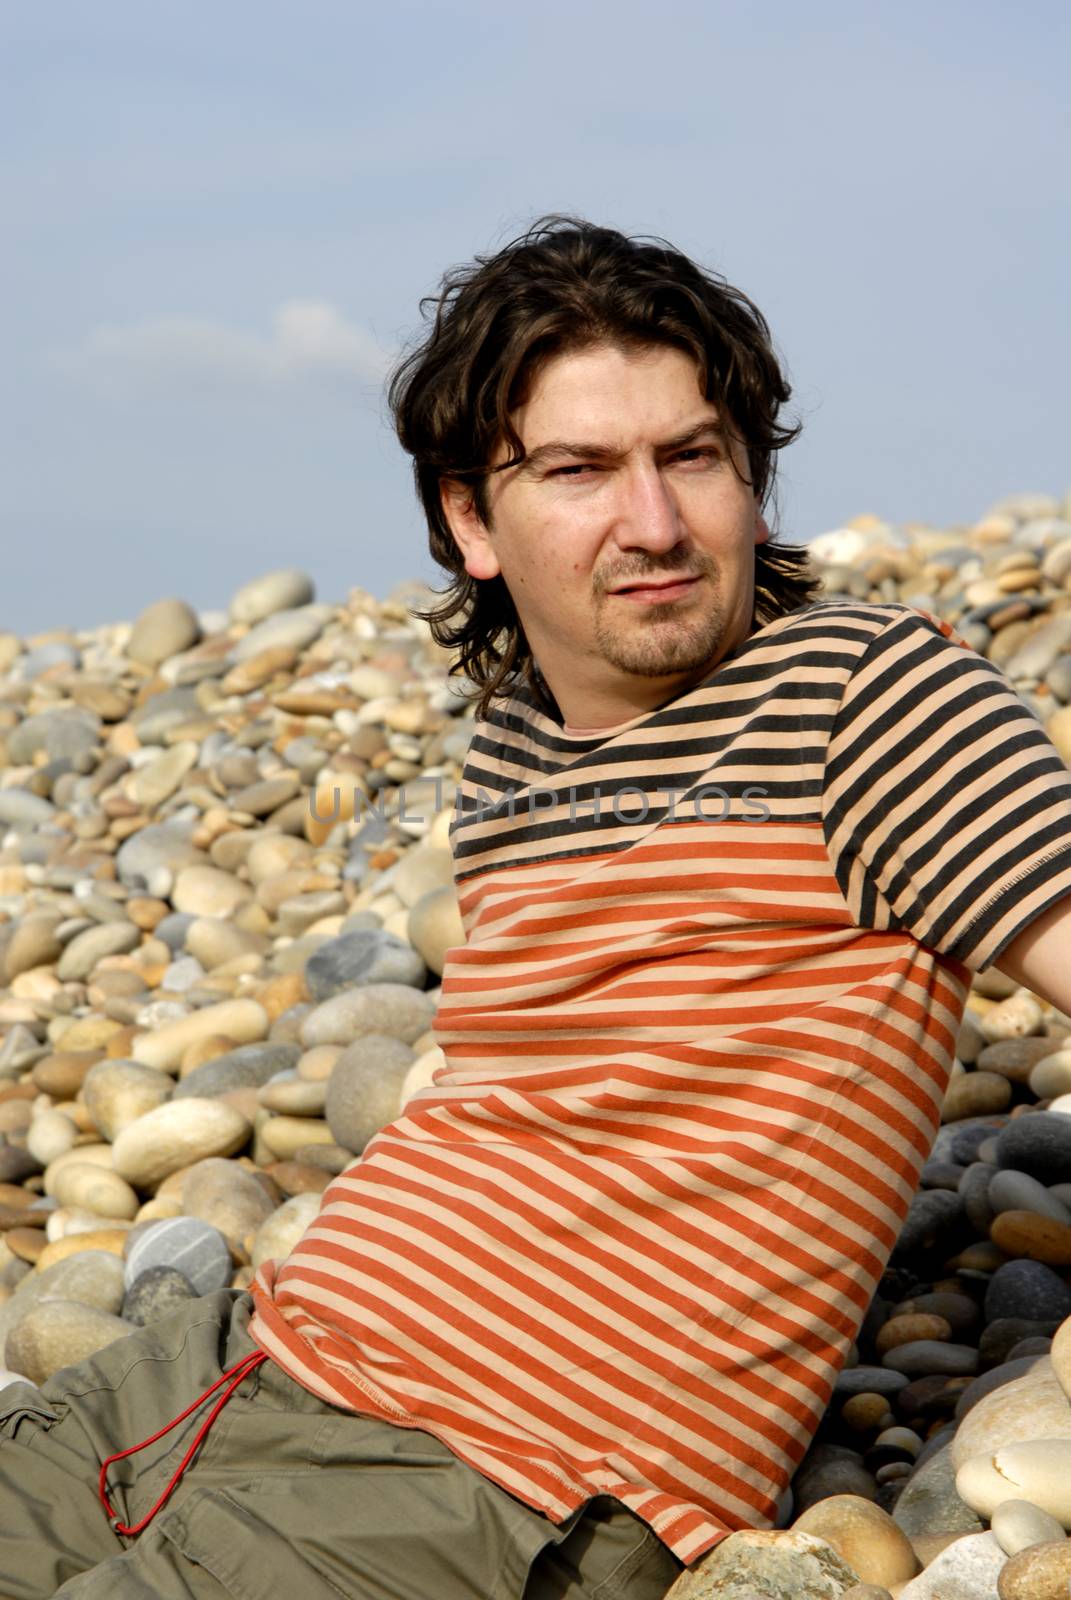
x=648, y=513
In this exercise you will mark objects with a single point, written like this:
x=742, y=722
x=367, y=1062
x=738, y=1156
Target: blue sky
x=219, y=220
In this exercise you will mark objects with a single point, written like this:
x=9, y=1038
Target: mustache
x=618, y=580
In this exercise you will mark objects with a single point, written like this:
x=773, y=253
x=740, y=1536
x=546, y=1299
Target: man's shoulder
x=852, y=626
x=841, y=612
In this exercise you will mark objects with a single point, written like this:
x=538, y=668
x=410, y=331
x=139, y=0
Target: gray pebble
x=1016, y=1191
x=974, y=1192
x=965, y=1138
x=1035, y=1346
x=923, y=1358
x=395, y=1009
x=1039, y=1145
x=155, y=1294
x=162, y=845
x=194, y=1248
x=941, y=1174
x=830, y=1469
x=21, y=808
x=1027, y=1289
x=163, y=711
x=960, y=1312
x=1001, y=1336
x=372, y=956
x=933, y=1213
x=868, y=1380
x=295, y=628
x=930, y=1502
x=173, y=928
x=58, y=733
x=248, y=1067
x=364, y=1089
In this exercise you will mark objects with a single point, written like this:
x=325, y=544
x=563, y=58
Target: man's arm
x=1040, y=957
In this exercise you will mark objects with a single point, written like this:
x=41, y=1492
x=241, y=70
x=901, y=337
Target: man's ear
x=469, y=533
x=762, y=532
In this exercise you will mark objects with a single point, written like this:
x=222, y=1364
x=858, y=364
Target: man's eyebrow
x=556, y=449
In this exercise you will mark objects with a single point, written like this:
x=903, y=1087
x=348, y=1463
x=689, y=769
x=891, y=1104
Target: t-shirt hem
x=989, y=949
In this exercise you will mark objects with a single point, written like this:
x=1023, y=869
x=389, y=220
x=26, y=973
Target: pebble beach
x=226, y=895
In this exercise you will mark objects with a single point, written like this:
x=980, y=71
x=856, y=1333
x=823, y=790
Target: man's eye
x=701, y=452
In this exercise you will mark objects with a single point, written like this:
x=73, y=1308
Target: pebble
x=864, y=1535
x=434, y=926
x=1027, y=1289
x=241, y=1021
x=249, y=1067
x=1016, y=1191
x=208, y=892
x=176, y=1135
x=22, y=809
x=1017, y=1525
x=1030, y=1406
x=906, y=1329
x=1034, y=1237
x=60, y=735
x=1039, y=1145
x=1040, y=1573
x=1051, y=1076
x=1038, y=1470
x=967, y=1570
x=293, y=628
x=287, y=1094
x=393, y=1009
x=283, y=590
x=362, y=957
x=276, y=1237
x=922, y=1357
x=1060, y=1355
x=162, y=630
x=228, y=1196
x=975, y=1094
x=33, y=944
x=1000, y=1338
x=155, y=1294
x=86, y=950
x=777, y=1566
x=94, y=1188
x=195, y=1248
x=365, y=1088
x=118, y=1092
x=929, y=1502
x=932, y=1214
x=56, y=1334
x=50, y=1134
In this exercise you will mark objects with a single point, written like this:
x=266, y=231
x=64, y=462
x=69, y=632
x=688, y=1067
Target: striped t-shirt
x=696, y=1047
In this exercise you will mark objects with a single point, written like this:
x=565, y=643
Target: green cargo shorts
x=287, y=1496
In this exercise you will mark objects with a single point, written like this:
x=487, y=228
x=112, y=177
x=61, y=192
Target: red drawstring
x=240, y=1370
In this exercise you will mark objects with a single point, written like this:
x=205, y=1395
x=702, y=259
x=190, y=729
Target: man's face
x=592, y=537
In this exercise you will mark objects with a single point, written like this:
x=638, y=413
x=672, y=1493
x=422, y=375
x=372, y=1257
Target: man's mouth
x=661, y=590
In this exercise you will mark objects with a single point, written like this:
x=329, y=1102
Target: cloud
x=310, y=341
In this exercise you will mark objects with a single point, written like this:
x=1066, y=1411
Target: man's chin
x=670, y=664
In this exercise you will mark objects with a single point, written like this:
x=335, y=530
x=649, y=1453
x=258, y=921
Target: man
x=727, y=856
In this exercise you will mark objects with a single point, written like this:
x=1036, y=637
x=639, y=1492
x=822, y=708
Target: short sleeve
x=946, y=808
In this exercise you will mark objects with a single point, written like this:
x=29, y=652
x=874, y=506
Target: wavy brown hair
x=565, y=285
